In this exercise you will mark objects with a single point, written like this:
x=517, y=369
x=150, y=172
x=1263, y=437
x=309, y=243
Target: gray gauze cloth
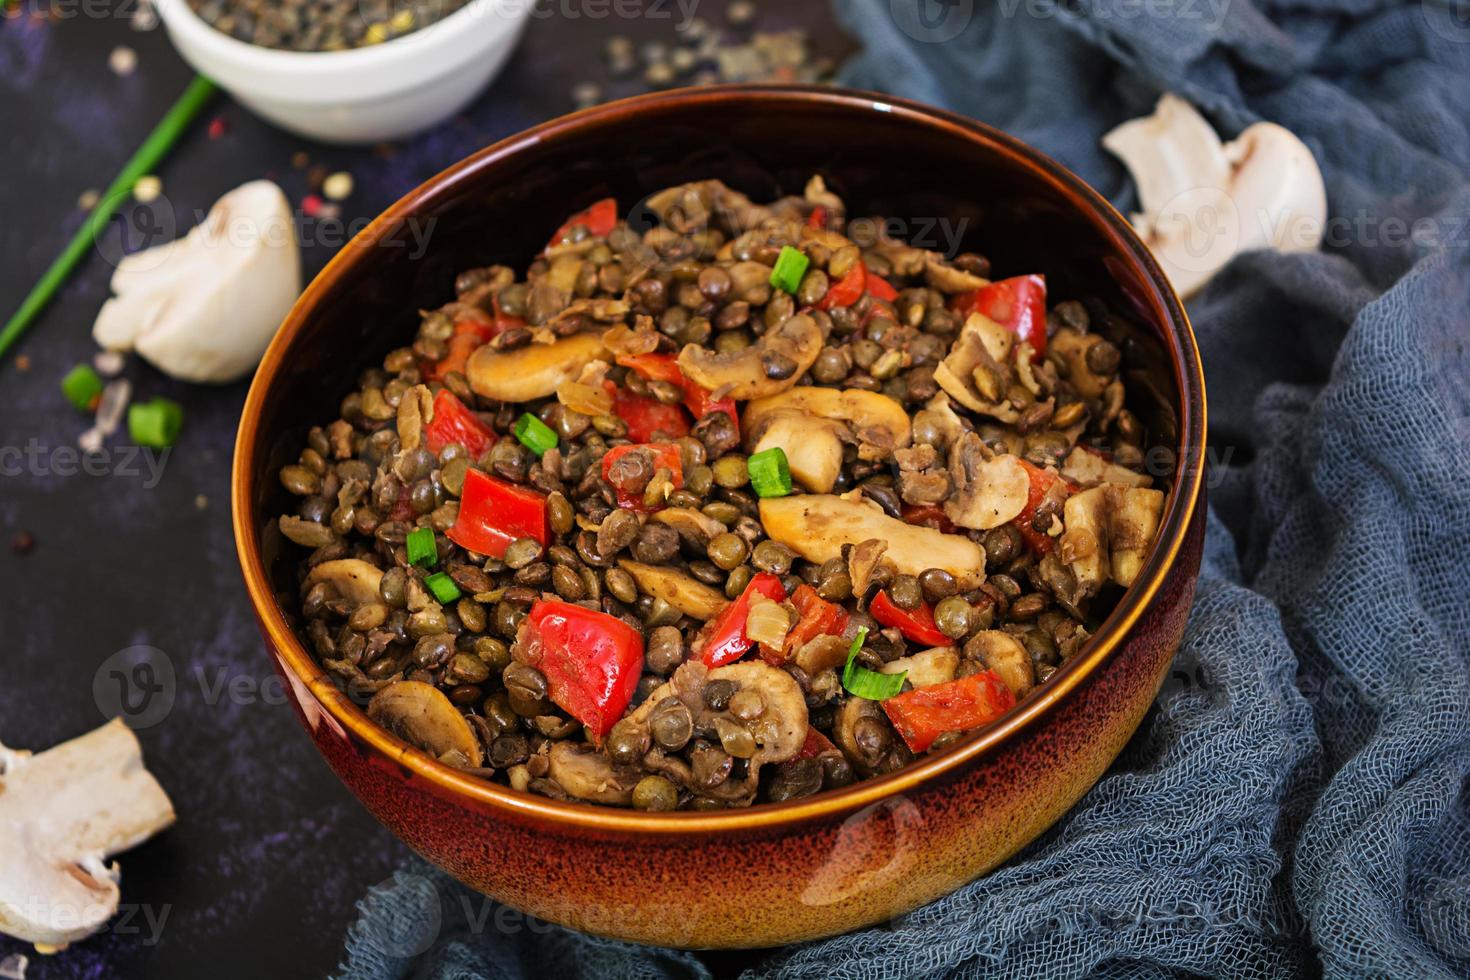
x=1297, y=801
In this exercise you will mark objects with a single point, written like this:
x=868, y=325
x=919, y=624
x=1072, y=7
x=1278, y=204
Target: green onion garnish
x=421, y=547
x=534, y=434
x=81, y=386
x=156, y=423
x=770, y=474
x=864, y=683
x=443, y=587
x=790, y=267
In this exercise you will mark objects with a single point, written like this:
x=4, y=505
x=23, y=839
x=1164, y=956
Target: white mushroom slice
x=533, y=371
x=1089, y=470
x=588, y=775
x=353, y=579
x=780, y=730
x=811, y=424
x=1262, y=190
x=1108, y=533
x=686, y=594
x=1072, y=348
x=939, y=414
x=1131, y=530
x=987, y=492
x=816, y=526
x=983, y=344
x=63, y=812
x=948, y=279
x=694, y=524
x=771, y=365
x=203, y=308
x=937, y=665
x=423, y=717
x=1003, y=653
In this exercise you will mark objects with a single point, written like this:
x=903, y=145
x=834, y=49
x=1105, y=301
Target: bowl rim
x=460, y=788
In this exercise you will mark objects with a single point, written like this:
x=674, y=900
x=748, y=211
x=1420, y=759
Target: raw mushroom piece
x=771, y=365
x=816, y=526
x=810, y=425
x=203, y=308
x=989, y=490
x=63, y=812
x=1108, y=533
x=1262, y=190
x=534, y=371
x=423, y=717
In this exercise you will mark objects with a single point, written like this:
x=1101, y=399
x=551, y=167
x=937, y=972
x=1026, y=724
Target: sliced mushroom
x=947, y=279
x=589, y=775
x=686, y=594
x=1072, y=348
x=533, y=371
x=780, y=730
x=771, y=365
x=816, y=526
x=1088, y=469
x=422, y=716
x=1003, y=653
x=1108, y=533
x=693, y=525
x=352, y=578
x=939, y=418
x=985, y=346
x=63, y=812
x=987, y=492
x=810, y=424
x=937, y=665
x=820, y=653
x=863, y=733
x=415, y=410
x=862, y=562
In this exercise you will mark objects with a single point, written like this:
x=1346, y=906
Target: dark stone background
x=270, y=853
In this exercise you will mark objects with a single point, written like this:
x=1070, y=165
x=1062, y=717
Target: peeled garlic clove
x=1204, y=202
x=204, y=307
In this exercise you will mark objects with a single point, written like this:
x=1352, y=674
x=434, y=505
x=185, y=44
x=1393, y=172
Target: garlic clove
x=204, y=307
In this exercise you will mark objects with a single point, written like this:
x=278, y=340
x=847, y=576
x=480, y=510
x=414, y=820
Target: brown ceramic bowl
x=825, y=864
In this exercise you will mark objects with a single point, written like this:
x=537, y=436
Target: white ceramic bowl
x=362, y=95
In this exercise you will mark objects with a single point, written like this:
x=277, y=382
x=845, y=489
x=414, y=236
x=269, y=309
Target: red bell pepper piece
x=453, y=422
x=1041, y=483
x=916, y=624
x=847, y=290
x=879, y=288
x=665, y=455
x=816, y=744
x=724, y=636
x=815, y=617
x=818, y=217
x=468, y=336
x=928, y=515
x=592, y=661
x=665, y=367
x=1018, y=304
x=493, y=513
x=599, y=218
x=647, y=418
x=923, y=715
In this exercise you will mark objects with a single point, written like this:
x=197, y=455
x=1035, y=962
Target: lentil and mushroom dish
x=734, y=508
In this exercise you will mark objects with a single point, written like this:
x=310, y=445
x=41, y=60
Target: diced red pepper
x=647, y=418
x=665, y=455
x=599, y=219
x=818, y=217
x=665, y=367
x=916, y=624
x=816, y=744
x=815, y=617
x=1018, y=304
x=847, y=290
x=453, y=422
x=493, y=513
x=592, y=661
x=928, y=515
x=724, y=636
x=923, y=715
x=879, y=288
x=1041, y=483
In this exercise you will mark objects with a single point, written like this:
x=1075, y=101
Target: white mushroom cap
x=62, y=813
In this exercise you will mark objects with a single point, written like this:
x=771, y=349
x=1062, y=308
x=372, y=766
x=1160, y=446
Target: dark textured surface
x=259, y=876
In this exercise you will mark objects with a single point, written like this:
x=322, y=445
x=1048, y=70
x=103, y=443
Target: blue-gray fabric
x=1298, y=800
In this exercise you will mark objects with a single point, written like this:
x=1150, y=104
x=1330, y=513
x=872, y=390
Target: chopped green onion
x=421, y=547
x=534, y=434
x=156, y=423
x=443, y=587
x=770, y=474
x=864, y=683
x=790, y=267
x=81, y=386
